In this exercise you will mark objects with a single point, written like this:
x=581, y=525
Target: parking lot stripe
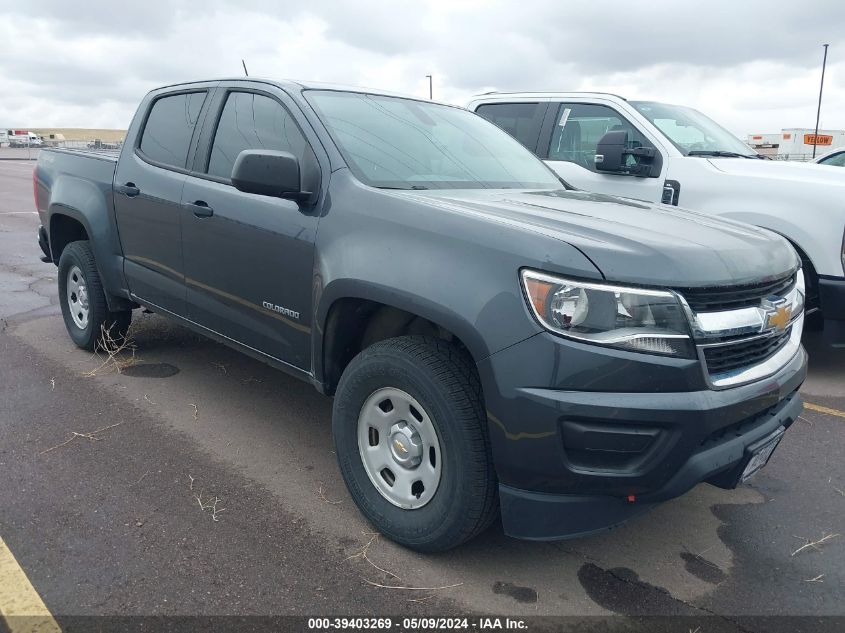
x=820, y=409
x=20, y=605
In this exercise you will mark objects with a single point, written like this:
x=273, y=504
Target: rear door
x=148, y=192
x=522, y=120
x=249, y=259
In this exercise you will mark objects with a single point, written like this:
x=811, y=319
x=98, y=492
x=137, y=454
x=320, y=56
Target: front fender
x=458, y=271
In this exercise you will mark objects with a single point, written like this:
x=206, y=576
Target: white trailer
x=796, y=143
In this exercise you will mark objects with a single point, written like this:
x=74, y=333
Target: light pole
x=819, y=110
x=430, y=88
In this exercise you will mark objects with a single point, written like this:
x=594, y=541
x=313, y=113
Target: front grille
x=744, y=353
x=715, y=299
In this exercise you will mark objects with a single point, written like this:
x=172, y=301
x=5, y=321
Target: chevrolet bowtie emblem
x=399, y=446
x=779, y=319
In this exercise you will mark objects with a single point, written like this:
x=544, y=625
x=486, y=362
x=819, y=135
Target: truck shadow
x=668, y=547
x=276, y=430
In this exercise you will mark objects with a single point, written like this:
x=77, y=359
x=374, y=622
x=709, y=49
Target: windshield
x=690, y=131
x=399, y=143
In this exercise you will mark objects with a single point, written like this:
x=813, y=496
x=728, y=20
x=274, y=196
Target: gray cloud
x=750, y=63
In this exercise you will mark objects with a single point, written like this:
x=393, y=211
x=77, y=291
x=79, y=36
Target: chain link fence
x=798, y=158
x=27, y=149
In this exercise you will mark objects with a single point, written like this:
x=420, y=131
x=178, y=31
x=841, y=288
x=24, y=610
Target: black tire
x=100, y=319
x=444, y=381
x=815, y=321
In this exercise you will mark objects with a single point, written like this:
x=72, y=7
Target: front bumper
x=599, y=426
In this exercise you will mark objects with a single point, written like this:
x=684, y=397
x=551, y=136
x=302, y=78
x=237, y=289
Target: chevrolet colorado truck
x=674, y=155
x=496, y=344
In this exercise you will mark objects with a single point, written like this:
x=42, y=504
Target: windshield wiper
x=720, y=154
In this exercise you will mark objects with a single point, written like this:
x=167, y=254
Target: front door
x=249, y=258
x=571, y=151
x=148, y=190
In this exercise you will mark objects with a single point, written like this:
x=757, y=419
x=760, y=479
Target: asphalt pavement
x=201, y=482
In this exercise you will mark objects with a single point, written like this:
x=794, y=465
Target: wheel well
x=354, y=324
x=63, y=231
x=810, y=275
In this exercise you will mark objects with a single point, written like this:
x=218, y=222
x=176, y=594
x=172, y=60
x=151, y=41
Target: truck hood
x=803, y=173
x=632, y=241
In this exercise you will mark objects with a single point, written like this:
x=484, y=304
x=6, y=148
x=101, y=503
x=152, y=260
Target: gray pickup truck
x=497, y=344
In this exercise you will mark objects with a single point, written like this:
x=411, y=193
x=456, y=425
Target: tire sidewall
x=448, y=505
x=85, y=338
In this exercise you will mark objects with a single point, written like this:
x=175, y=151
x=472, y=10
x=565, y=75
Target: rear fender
x=90, y=204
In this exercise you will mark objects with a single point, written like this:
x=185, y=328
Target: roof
x=302, y=85
x=546, y=94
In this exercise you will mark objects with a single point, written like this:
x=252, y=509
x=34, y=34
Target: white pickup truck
x=676, y=155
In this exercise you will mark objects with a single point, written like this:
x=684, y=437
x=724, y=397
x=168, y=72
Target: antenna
x=246, y=72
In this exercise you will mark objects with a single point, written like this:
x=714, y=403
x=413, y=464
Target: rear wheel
x=83, y=300
x=410, y=434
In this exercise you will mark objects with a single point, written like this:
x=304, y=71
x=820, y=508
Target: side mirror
x=268, y=173
x=612, y=156
x=610, y=150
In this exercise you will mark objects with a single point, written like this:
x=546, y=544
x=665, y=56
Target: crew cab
x=677, y=156
x=495, y=342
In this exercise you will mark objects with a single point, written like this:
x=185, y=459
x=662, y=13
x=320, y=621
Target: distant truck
x=496, y=343
x=24, y=138
x=100, y=144
x=675, y=155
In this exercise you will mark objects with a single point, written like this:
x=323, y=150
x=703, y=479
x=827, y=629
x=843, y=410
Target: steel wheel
x=399, y=447
x=77, y=297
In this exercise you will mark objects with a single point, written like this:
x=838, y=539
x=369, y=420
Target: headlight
x=634, y=319
x=800, y=294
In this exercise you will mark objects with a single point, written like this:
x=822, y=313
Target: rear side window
x=252, y=121
x=520, y=120
x=170, y=126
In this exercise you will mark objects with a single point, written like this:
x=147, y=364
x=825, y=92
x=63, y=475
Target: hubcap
x=399, y=448
x=77, y=297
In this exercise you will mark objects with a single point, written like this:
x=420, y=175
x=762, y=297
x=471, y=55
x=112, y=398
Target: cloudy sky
x=754, y=66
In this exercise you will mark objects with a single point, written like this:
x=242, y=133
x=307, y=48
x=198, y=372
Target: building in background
x=796, y=143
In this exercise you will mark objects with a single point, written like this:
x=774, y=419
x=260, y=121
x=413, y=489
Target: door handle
x=129, y=190
x=200, y=209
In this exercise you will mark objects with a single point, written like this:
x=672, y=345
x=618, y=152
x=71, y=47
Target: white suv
x=676, y=155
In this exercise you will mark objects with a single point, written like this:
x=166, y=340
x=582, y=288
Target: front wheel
x=83, y=301
x=410, y=435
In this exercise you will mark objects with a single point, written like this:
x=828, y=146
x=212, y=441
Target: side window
x=520, y=120
x=252, y=121
x=170, y=126
x=580, y=126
